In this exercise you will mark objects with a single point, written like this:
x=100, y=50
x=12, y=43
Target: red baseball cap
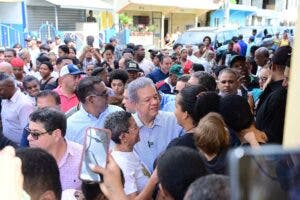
x=17, y=62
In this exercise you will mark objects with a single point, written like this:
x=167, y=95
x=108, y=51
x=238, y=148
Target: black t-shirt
x=218, y=165
x=186, y=140
x=271, y=114
x=273, y=86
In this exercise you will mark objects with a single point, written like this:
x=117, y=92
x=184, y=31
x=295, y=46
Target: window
x=141, y=20
x=217, y=21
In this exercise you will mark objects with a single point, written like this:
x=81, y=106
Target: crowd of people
x=173, y=117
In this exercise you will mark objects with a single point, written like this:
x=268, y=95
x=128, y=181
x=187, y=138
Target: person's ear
x=48, y=195
x=90, y=99
x=185, y=115
x=123, y=136
x=57, y=134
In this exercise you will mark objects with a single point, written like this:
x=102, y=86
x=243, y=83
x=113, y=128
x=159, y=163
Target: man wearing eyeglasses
x=93, y=96
x=47, y=128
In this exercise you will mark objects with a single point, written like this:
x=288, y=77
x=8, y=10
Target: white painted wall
x=11, y=13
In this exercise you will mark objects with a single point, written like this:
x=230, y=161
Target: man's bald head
x=261, y=56
x=6, y=67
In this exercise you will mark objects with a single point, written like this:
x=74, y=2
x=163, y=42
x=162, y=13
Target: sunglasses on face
x=35, y=135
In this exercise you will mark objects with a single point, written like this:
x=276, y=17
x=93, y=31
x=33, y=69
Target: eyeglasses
x=35, y=135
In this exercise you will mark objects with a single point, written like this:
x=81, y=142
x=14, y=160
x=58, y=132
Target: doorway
x=166, y=26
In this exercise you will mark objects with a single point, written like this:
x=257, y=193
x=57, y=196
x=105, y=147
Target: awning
x=83, y=4
x=172, y=6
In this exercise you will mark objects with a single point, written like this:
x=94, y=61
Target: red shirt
x=187, y=66
x=66, y=102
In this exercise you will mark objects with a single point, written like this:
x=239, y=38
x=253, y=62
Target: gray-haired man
x=157, y=128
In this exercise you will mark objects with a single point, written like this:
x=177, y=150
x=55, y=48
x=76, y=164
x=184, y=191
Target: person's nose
x=29, y=137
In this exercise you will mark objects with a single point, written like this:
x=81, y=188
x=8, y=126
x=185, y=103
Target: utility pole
x=226, y=12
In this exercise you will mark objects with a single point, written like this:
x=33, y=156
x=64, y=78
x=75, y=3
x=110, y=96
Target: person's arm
x=4, y=141
x=149, y=189
x=82, y=56
x=111, y=186
x=11, y=175
x=97, y=56
x=249, y=135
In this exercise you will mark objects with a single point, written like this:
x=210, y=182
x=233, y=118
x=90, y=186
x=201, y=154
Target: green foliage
x=125, y=19
x=152, y=28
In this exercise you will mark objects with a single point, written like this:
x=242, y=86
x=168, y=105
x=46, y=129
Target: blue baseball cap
x=70, y=69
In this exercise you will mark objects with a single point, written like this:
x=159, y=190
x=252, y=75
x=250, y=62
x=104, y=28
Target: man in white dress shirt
x=16, y=108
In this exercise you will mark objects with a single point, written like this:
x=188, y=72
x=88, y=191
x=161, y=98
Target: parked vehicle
x=220, y=37
x=264, y=36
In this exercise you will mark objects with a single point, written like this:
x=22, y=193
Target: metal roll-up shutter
x=67, y=18
x=38, y=15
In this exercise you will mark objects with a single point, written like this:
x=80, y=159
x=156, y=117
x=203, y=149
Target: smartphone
x=270, y=172
x=95, y=151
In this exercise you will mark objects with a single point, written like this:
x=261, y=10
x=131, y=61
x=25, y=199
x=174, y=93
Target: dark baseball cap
x=132, y=66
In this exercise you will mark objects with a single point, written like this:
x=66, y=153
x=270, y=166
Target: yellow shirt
x=284, y=42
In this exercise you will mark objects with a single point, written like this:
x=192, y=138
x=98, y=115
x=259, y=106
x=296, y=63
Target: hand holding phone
x=95, y=152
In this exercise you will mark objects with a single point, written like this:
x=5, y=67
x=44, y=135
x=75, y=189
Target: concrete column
x=116, y=21
x=196, y=21
x=116, y=16
x=56, y=18
x=162, y=37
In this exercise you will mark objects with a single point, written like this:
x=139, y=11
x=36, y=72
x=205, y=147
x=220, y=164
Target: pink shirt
x=69, y=166
x=237, y=48
x=66, y=102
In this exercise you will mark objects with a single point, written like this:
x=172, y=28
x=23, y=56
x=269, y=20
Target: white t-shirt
x=147, y=66
x=135, y=173
x=201, y=61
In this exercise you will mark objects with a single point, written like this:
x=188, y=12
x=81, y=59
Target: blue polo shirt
x=157, y=75
x=155, y=139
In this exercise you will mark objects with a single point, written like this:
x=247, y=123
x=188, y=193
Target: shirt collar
x=85, y=113
x=157, y=120
x=59, y=92
x=69, y=151
x=15, y=96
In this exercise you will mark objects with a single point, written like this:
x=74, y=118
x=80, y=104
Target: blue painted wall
x=235, y=17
